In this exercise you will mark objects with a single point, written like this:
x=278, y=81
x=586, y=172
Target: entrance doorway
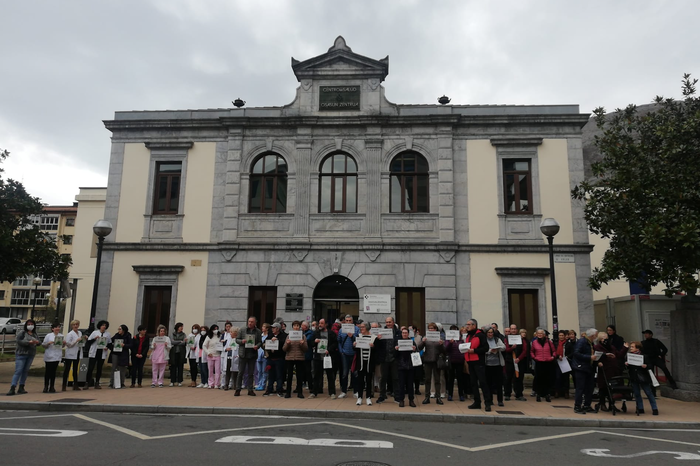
x=523, y=309
x=156, y=307
x=335, y=297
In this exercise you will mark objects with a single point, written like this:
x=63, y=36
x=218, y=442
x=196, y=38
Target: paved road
x=284, y=441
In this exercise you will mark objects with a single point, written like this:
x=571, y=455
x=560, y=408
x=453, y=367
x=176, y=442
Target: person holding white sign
x=456, y=369
x=406, y=370
x=230, y=358
x=295, y=355
x=347, y=353
x=325, y=345
x=433, y=349
x=520, y=365
x=74, y=353
x=100, y=338
x=275, y=360
x=212, y=348
x=640, y=379
x=364, y=364
x=248, y=355
x=475, y=357
x=52, y=356
x=119, y=356
x=494, y=364
x=202, y=357
x=159, y=357
x=191, y=355
x=177, y=355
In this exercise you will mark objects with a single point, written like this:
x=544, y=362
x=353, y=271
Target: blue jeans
x=638, y=395
x=276, y=375
x=22, y=364
x=345, y=362
x=261, y=364
x=204, y=370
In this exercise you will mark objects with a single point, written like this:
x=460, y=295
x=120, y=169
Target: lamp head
x=549, y=227
x=102, y=228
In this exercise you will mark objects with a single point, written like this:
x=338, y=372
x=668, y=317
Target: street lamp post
x=37, y=282
x=550, y=227
x=102, y=228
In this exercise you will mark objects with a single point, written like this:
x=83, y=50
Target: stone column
x=303, y=181
x=445, y=177
x=233, y=185
x=685, y=348
x=373, y=149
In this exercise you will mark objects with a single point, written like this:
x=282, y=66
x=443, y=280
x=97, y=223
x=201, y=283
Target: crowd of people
x=368, y=359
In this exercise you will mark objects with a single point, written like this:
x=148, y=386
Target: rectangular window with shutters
x=262, y=303
x=410, y=307
x=523, y=309
x=166, y=198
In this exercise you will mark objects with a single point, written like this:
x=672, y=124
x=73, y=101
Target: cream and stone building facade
x=301, y=211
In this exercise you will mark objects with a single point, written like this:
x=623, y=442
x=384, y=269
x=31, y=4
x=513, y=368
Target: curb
x=500, y=420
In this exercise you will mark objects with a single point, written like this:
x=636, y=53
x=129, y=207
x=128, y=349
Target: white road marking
x=538, y=439
x=679, y=455
x=189, y=434
x=321, y=442
x=42, y=433
x=121, y=429
x=650, y=438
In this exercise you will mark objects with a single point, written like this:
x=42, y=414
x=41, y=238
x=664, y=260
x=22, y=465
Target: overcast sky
x=68, y=65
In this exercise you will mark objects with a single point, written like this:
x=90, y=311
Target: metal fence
x=8, y=344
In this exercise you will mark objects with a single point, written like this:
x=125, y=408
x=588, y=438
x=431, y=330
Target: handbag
x=415, y=359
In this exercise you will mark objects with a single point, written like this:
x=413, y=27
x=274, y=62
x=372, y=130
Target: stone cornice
x=158, y=268
x=522, y=271
x=516, y=141
x=352, y=245
x=169, y=145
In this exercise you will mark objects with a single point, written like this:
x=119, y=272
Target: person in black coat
x=139, y=353
x=657, y=355
x=584, y=371
x=406, y=372
x=119, y=355
x=322, y=332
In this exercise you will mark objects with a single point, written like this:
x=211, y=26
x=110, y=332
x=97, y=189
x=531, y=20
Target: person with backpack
x=544, y=354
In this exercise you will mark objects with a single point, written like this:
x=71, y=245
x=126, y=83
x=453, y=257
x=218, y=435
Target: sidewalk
x=185, y=400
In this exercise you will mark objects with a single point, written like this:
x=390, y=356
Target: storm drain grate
x=517, y=413
x=73, y=400
x=362, y=463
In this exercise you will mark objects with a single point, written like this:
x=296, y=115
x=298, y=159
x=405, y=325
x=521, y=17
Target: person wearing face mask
x=192, y=354
x=139, y=353
x=52, y=356
x=100, y=338
x=159, y=358
x=202, y=357
x=177, y=355
x=212, y=349
x=24, y=355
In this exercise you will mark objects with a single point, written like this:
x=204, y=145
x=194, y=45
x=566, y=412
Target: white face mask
x=194, y=330
x=215, y=332
x=30, y=327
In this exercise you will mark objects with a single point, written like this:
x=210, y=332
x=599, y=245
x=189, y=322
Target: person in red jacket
x=544, y=354
x=477, y=367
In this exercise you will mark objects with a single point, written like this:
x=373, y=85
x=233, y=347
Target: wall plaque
x=339, y=98
x=294, y=302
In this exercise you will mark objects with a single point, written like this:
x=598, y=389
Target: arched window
x=268, y=185
x=338, y=188
x=409, y=183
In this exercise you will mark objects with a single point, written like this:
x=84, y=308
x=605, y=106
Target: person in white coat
x=212, y=348
x=224, y=339
x=53, y=352
x=74, y=342
x=100, y=338
x=192, y=353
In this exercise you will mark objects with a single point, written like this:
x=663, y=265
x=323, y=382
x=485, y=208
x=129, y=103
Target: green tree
x=646, y=194
x=24, y=249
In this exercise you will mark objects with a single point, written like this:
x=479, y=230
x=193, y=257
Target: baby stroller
x=618, y=389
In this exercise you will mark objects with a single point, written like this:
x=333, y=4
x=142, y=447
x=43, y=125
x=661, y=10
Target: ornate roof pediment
x=340, y=62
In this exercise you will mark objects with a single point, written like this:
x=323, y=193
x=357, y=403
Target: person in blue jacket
x=584, y=371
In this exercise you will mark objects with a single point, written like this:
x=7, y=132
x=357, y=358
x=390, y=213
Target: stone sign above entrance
x=339, y=98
